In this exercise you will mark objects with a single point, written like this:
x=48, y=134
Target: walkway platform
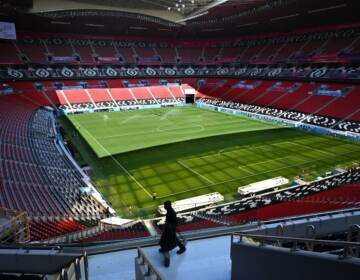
x=205, y=259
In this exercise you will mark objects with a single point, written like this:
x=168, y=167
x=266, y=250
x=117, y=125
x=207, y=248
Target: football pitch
x=182, y=152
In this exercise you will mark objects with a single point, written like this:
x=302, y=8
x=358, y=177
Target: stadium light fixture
x=60, y=22
x=327, y=8
x=212, y=30
x=247, y=24
x=185, y=6
x=202, y=11
x=285, y=17
x=94, y=25
x=137, y=28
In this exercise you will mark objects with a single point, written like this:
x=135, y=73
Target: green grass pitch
x=182, y=152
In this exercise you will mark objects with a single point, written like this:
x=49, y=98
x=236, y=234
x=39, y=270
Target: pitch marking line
x=238, y=150
x=256, y=174
x=129, y=119
x=310, y=148
x=195, y=172
x=176, y=130
x=118, y=163
x=247, y=171
x=269, y=160
x=262, y=162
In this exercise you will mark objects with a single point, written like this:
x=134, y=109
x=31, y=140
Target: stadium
x=245, y=114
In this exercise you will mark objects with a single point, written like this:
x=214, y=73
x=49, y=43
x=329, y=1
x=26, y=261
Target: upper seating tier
x=330, y=45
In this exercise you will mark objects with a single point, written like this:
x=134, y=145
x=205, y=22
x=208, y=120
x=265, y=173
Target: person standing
x=169, y=239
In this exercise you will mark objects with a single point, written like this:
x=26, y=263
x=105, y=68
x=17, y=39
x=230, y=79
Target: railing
x=16, y=229
x=150, y=269
x=348, y=249
x=78, y=235
x=8, y=212
x=85, y=233
x=77, y=270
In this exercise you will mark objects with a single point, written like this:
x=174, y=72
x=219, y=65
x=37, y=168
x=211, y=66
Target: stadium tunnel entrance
x=190, y=98
x=190, y=95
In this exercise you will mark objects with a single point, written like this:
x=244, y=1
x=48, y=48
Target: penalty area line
x=119, y=164
x=257, y=174
x=310, y=148
x=195, y=172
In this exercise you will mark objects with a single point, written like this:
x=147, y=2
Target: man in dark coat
x=169, y=240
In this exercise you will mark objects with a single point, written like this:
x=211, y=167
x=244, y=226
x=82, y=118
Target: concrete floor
x=205, y=259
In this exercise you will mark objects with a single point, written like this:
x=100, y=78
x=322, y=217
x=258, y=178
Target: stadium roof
x=176, y=18
x=183, y=7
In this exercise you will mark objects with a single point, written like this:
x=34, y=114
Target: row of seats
x=136, y=230
x=337, y=192
x=300, y=118
x=302, y=97
x=113, y=105
x=338, y=198
x=37, y=178
x=268, y=49
x=40, y=230
x=111, y=95
x=34, y=175
x=293, y=194
x=299, y=96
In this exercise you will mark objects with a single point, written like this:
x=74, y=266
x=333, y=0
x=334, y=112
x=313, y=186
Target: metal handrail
x=311, y=215
x=73, y=270
x=75, y=235
x=295, y=240
x=110, y=246
x=354, y=229
x=151, y=270
x=17, y=226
